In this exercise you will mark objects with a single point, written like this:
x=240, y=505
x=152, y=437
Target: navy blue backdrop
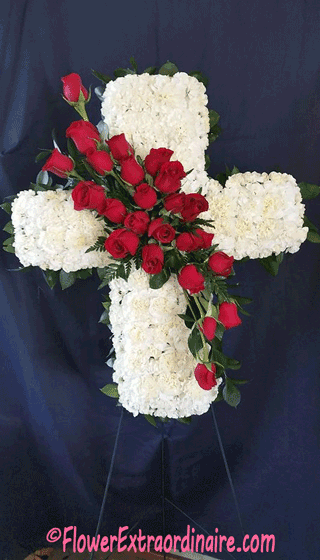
x=57, y=429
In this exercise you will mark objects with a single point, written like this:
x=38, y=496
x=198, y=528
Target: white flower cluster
x=257, y=214
x=160, y=111
x=154, y=368
x=49, y=233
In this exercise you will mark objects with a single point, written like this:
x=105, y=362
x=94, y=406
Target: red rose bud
x=58, y=164
x=84, y=134
x=152, y=259
x=161, y=231
x=228, y=315
x=119, y=147
x=194, y=204
x=100, y=161
x=205, y=377
x=72, y=85
x=175, y=202
x=145, y=196
x=208, y=327
x=221, y=264
x=131, y=171
x=155, y=159
x=187, y=242
x=89, y=195
x=205, y=239
x=121, y=242
x=114, y=210
x=169, y=177
x=191, y=279
x=137, y=222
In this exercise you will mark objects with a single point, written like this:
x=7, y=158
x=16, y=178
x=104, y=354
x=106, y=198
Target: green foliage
x=313, y=234
x=195, y=341
x=111, y=390
x=151, y=420
x=168, y=69
x=156, y=281
x=67, y=279
x=102, y=77
x=98, y=246
x=231, y=393
x=272, y=263
x=51, y=277
x=200, y=77
x=308, y=191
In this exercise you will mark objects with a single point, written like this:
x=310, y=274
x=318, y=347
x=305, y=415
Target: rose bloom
x=100, y=161
x=161, y=231
x=114, y=210
x=131, y=171
x=208, y=327
x=137, y=222
x=152, y=259
x=205, y=377
x=121, y=242
x=204, y=238
x=169, y=178
x=228, y=315
x=58, y=164
x=221, y=263
x=86, y=194
x=72, y=85
x=84, y=134
x=119, y=147
x=191, y=279
x=155, y=158
x=175, y=202
x=194, y=204
x=145, y=196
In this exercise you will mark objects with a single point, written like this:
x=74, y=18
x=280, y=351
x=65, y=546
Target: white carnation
x=154, y=368
x=49, y=233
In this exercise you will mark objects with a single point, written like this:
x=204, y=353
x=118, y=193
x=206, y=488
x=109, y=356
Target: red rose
x=72, y=85
x=175, y=202
x=205, y=377
x=121, y=242
x=155, y=159
x=187, y=242
x=169, y=177
x=114, y=210
x=89, y=195
x=228, y=315
x=100, y=161
x=137, y=222
x=194, y=204
x=59, y=164
x=119, y=147
x=131, y=171
x=145, y=196
x=84, y=134
x=191, y=279
x=221, y=264
x=208, y=327
x=161, y=231
x=152, y=259
x=204, y=238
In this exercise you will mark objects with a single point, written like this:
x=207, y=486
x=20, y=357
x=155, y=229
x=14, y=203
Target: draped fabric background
x=57, y=429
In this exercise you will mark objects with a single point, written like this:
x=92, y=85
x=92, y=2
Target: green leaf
x=272, y=263
x=51, y=277
x=102, y=77
x=8, y=241
x=156, y=281
x=105, y=318
x=6, y=206
x=72, y=150
x=84, y=273
x=313, y=236
x=111, y=390
x=67, y=279
x=121, y=72
x=200, y=77
x=241, y=300
x=189, y=321
x=214, y=133
x=239, y=381
x=134, y=64
x=102, y=272
x=150, y=70
x=207, y=162
x=43, y=154
x=231, y=394
x=151, y=420
x=309, y=224
x=195, y=341
x=308, y=190
x=9, y=249
x=168, y=69
x=213, y=118
x=186, y=420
